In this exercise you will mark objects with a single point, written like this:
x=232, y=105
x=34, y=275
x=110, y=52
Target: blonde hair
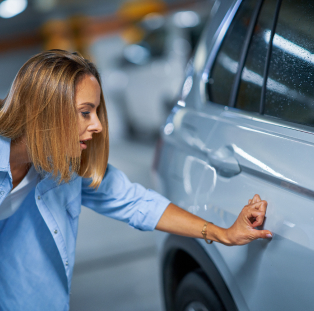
x=40, y=107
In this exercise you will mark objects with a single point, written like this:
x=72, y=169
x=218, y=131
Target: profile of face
x=87, y=99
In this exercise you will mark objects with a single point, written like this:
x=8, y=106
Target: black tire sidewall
x=195, y=287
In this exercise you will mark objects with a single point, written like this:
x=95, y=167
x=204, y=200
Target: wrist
x=220, y=235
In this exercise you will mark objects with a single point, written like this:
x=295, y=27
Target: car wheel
x=196, y=294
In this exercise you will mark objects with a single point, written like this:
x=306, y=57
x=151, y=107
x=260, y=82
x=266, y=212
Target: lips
x=83, y=143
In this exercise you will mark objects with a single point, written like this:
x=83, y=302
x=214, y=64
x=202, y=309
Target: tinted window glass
x=290, y=90
x=226, y=64
x=252, y=75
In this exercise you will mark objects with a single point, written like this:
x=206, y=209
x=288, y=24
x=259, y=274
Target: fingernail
x=269, y=235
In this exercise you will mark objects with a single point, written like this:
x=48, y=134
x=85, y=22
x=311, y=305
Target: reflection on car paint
x=187, y=86
x=257, y=131
x=288, y=223
x=260, y=164
x=200, y=57
x=190, y=139
x=168, y=129
x=215, y=8
x=187, y=182
x=181, y=103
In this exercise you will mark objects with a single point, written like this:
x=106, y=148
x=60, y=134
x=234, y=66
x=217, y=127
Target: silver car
x=244, y=125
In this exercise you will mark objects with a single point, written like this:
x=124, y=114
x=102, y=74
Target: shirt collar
x=5, y=144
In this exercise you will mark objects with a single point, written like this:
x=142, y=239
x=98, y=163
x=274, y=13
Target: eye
x=85, y=114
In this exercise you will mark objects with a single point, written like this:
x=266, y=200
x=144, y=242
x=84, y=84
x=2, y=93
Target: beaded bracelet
x=204, y=232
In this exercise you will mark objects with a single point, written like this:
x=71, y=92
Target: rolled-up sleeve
x=120, y=199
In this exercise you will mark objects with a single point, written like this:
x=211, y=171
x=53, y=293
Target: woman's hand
x=243, y=230
x=179, y=221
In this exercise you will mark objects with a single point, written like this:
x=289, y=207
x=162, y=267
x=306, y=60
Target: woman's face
x=87, y=99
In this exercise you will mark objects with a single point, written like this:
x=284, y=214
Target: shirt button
x=55, y=232
x=66, y=263
x=1, y=192
x=39, y=197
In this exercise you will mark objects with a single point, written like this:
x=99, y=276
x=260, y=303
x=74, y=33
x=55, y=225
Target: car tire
x=196, y=294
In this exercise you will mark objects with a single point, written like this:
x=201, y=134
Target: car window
x=226, y=63
x=252, y=75
x=290, y=92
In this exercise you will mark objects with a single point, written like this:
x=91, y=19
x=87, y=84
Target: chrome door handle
x=224, y=162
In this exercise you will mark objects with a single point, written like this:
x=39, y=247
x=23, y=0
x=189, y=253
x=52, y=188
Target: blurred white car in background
x=142, y=80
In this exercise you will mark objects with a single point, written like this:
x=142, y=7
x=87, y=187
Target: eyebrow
x=89, y=104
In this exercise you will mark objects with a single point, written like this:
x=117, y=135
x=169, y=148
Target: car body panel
x=216, y=158
x=278, y=166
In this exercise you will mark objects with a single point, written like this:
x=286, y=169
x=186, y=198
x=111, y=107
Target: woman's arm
x=178, y=221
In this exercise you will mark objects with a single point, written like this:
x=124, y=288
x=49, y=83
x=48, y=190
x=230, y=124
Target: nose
x=95, y=126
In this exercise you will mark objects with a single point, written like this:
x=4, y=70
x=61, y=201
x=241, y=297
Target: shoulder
x=113, y=179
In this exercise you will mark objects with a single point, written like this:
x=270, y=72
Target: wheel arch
x=182, y=255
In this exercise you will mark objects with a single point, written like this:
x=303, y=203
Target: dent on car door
x=275, y=159
x=184, y=153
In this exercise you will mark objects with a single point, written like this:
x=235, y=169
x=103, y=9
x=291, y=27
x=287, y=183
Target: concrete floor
x=116, y=266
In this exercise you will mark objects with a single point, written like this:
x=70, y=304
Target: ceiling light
x=10, y=8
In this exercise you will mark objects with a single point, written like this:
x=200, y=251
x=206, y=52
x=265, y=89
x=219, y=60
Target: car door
x=265, y=145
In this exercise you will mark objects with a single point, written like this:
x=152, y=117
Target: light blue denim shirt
x=37, y=243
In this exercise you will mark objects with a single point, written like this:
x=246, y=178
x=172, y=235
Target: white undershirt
x=15, y=198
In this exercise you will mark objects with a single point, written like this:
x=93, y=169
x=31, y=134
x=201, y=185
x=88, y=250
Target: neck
x=18, y=153
x=19, y=161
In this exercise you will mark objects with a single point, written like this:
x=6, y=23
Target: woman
x=53, y=157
